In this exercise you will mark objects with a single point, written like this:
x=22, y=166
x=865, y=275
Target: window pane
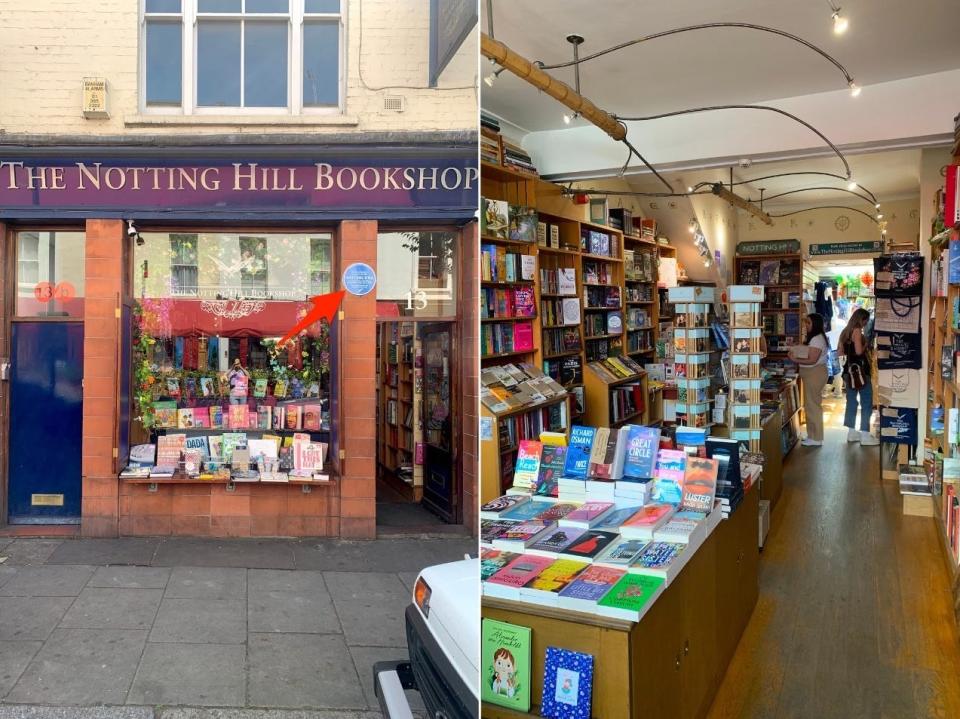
x=322, y=6
x=218, y=63
x=163, y=6
x=164, y=63
x=321, y=64
x=268, y=6
x=50, y=274
x=219, y=6
x=423, y=272
x=265, y=64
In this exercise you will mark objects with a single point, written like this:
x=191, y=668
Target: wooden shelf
x=502, y=173
x=516, y=283
x=555, y=296
x=602, y=258
x=503, y=241
x=503, y=355
x=557, y=250
x=639, y=302
x=603, y=309
x=604, y=337
x=571, y=353
x=507, y=319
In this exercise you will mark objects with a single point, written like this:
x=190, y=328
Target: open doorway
x=418, y=487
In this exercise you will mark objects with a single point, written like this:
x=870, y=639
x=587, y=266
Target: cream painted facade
x=49, y=46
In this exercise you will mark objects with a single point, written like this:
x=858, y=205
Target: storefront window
x=212, y=301
x=50, y=274
x=418, y=274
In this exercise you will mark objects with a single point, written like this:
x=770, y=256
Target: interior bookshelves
x=398, y=407
x=614, y=401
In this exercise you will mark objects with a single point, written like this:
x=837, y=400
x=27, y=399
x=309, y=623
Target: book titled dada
x=506, y=665
x=567, y=684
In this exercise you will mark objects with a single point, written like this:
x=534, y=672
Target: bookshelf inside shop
x=617, y=393
x=398, y=408
x=782, y=278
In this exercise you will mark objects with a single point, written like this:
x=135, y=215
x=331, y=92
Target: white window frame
x=296, y=19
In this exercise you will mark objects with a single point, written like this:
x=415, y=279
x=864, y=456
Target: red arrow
x=324, y=307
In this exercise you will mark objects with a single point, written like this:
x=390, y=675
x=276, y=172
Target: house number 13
x=417, y=300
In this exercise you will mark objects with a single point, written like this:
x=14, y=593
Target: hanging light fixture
x=852, y=185
x=854, y=89
x=840, y=23
x=492, y=77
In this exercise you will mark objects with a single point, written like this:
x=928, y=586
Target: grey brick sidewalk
x=161, y=623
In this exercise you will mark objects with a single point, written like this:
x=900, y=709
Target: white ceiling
x=887, y=40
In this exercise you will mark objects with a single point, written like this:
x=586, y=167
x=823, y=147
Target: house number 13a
x=417, y=300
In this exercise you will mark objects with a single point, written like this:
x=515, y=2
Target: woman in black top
x=854, y=346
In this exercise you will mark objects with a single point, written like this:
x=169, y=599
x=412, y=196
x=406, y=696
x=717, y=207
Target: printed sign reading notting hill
x=769, y=247
x=312, y=184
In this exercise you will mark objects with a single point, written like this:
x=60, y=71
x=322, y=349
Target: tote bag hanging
x=898, y=314
x=898, y=425
x=898, y=275
x=899, y=350
x=899, y=387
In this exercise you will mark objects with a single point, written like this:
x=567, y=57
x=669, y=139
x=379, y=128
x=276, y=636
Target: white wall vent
x=393, y=103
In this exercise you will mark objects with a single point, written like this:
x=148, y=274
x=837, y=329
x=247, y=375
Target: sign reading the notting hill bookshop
x=348, y=186
x=847, y=248
x=770, y=247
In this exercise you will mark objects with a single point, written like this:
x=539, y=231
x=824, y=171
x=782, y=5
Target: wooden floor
x=854, y=616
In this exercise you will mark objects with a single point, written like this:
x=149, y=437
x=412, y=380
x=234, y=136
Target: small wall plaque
x=95, y=97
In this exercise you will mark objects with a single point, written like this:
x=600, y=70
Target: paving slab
x=33, y=712
x=370, y=607
x=207, y=583
x=31, y=617
x=365, y=657
x=197, y=674
x=302, y=671
x=30, y=551
x=97, y=608
x=281, y=580
x=130, y=577
x=4, y=541
x=103, y=552
x=393, y=555
x=6, y=574
x=200, y=621
x=81, y=666
x=302, y=612
x=14, y=658
x=48, y=581
x=246, y=553
x=409, y=579
x=197, y=713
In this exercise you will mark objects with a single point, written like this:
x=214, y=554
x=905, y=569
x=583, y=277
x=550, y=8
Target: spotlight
x=840, y=23
x=877, y=205
x=492, y=77
x=689, y=189
x=852, y=185
x=692, y=226
x=854, y=89
x=879, y=215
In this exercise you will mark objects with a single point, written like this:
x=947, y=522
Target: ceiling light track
x=767, y=108
x=829, y=207
x=812, y=189
x=792, y=174
x=854, y=89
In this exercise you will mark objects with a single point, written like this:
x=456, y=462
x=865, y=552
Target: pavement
x=204, y=629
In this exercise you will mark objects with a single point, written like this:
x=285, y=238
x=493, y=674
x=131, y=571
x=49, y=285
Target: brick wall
x=104, y=274
x=358, y=397
x=470, y=370
x=49, y=46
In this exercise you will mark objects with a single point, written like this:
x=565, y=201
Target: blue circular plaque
x=359, y=279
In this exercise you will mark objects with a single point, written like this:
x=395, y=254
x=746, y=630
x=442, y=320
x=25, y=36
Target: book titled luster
x=700, y=484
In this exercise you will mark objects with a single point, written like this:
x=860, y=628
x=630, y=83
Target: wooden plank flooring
x=854, y=617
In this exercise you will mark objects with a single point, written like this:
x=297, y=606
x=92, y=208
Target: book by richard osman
x=578, y=453
x=506, y=665
x=567, y=684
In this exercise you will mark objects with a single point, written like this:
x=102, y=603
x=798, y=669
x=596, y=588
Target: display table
x=670, y=664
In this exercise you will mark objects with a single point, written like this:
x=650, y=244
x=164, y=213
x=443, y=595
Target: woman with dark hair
x=854, y=344
x=812, y=358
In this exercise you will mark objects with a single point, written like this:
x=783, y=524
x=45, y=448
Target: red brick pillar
x=358, y=383
x=470, y=370
x=101, y=338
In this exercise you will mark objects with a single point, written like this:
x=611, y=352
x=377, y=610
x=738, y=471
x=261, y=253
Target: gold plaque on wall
x=46, y=500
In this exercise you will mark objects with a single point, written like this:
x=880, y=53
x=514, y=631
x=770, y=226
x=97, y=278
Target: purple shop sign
x=159, y=186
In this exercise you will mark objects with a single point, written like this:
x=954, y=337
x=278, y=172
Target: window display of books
x=612, y=509
x=691, y=348
x=229, y=457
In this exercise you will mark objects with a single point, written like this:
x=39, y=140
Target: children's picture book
x=527, y=467
x=165, y=413
x=590, y=586
x=260, y=387
x=215, y=447
x=492, y=561
x=567, y=684
x=231, y=441
x=280, y=388
x=495, y=507
x=700, y=484
x=589, y=545
x=506, y=665
x=185, y=418
x=198, y=444
x=578, y=452
x=216, y=417
x=631, y=597
x=207, y=387
x=641, y=456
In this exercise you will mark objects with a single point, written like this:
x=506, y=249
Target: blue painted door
x=46, y=421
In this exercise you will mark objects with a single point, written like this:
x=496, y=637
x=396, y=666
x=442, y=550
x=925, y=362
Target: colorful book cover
x=216, y=417
x=201, y=418
x=185, y=418
x=279, y=418
x=621, y=554
x=215, y=445
x=604, y=443
x=506, y=665
x=587, y=513
x=527, y=467
x=557, y=576
x=589, y=545
x=165, y=413
x=280, y=388
x=567, y=684
x=198, y=444
x=173, y=387
x=642, y=445
x=523, y=223
x=520, y=535
x=552, y=461
x=494, y=508
x=591, y=585
x=521, y=571
x=700, y=484
x=232, y=440
x=491, y=529
x=493, y=560
x=522, y=336
x=611, y=522
x=657, y=557
x=169, y=449
x=524, y=304
x=239, y=416
x=260, y=387
x=631, y=595
x=294, y=417
x=669, y=473
x=557, y=511
x=207, y=387
x=263, y=417
x=311, y=417
x=578, y=453
x=644, y=522
x=556, y=541
x=494, y=220
x=527, y=510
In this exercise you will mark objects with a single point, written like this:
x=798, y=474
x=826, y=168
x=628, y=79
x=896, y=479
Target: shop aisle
x=854, y=616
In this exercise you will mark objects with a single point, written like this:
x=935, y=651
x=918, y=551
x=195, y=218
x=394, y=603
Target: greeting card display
x=567, y=684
